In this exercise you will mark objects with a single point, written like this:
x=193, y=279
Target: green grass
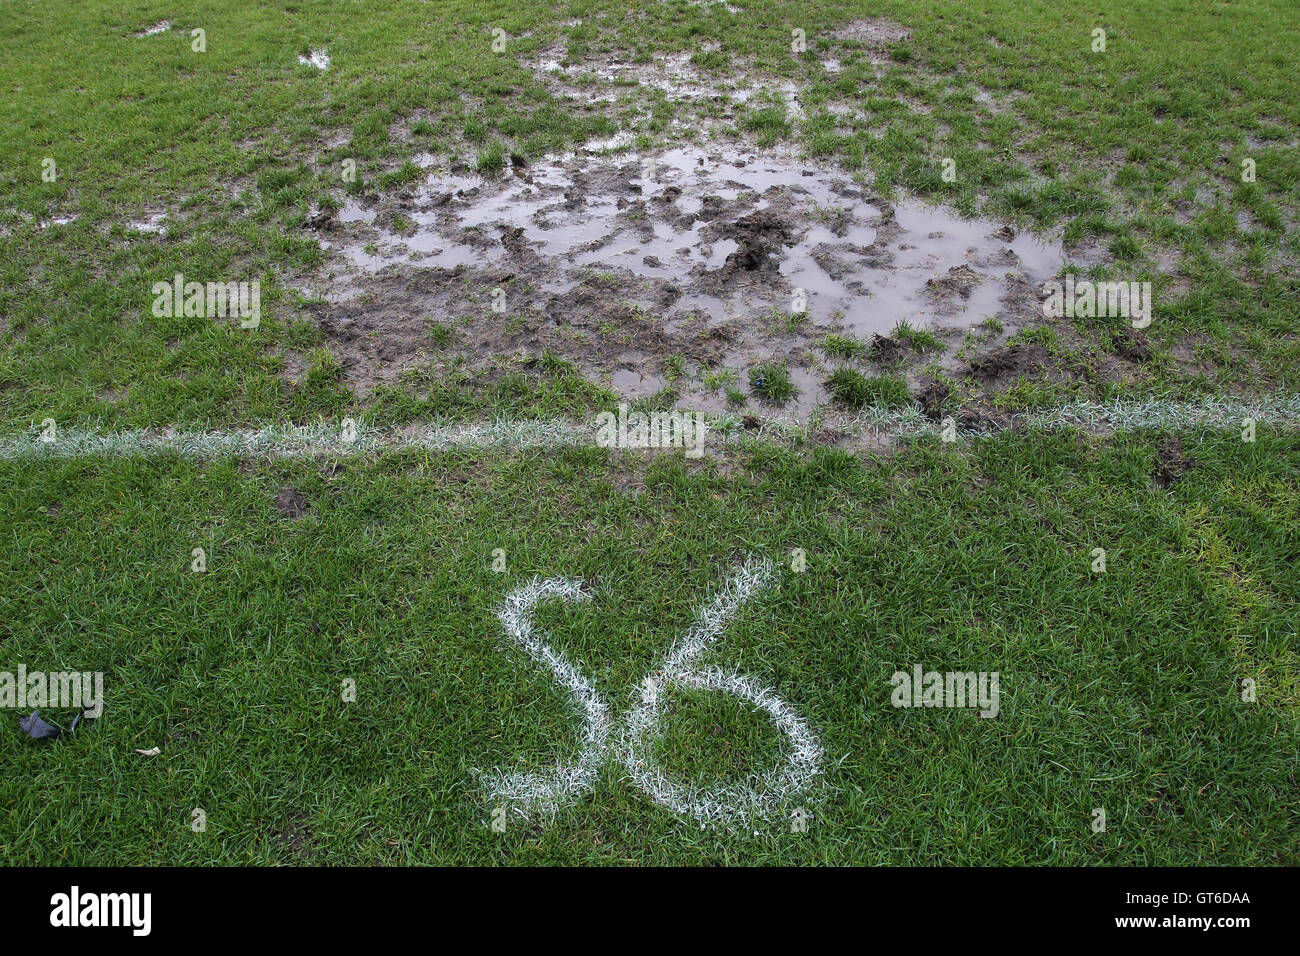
x=843, y=347
x=769, y=123
x=1120, y=690
x=922, y=340
x=770, y=381
x=852, y=388
x=237, y=145
x=490, y=159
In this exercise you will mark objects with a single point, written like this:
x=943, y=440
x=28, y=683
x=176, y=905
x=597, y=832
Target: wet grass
x=1118, y=690
x=921, y=340
x=770, y=382
x=843, y=346
x=1139, y=150
x=855, y=390
x=1121, y=690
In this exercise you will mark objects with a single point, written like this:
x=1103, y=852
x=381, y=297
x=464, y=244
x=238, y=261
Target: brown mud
x=668, y=274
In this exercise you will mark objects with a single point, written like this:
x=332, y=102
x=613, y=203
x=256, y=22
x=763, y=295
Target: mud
x=887, y=352
x=1132, y=345
x=290, y=503
x=932, y=398
x=673, y=75
x=715, y=259
x=977, y=419
x=1007, y=363
x=1171, y=463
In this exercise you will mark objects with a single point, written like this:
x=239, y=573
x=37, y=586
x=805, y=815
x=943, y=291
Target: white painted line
x=546, y=792
x=288, y=441
x=722, y=804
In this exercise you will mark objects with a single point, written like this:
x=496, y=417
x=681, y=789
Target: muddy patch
x=669, y=274
x=290, y=503
x=1171, y=463
x=675, y=76
x=932, y=399
x=296, y=841
x=1132, y=345
x=1007, y=363
x=875, y=35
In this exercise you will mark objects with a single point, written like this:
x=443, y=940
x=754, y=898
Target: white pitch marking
x=679, y=668
x=546, y=791
x=289, y=441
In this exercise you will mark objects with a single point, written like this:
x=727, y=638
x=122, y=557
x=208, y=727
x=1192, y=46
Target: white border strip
x=287, y=441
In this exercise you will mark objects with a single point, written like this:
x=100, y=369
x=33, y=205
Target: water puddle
x=317, y=58
x=724, y=257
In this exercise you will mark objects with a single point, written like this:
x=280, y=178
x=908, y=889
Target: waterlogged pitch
x=764, y=433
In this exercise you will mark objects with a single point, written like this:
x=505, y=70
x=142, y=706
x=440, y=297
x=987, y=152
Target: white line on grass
x=531, y=792
x=287, y=441
x=766, y=796
x=290, y=441
x=723, y=803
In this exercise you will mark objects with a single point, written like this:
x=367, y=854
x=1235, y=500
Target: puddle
x=317, y=58
x=154, y=223
x=730, y=8
x=618, y=141
x=673, y=74
x=874, y=33
x=618, y=263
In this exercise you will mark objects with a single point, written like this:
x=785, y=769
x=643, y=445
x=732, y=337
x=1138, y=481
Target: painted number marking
x=549, y=789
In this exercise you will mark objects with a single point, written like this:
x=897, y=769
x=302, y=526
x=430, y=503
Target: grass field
x=335, y=686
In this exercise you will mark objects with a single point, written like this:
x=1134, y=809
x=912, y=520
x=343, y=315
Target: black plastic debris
x=38, y=729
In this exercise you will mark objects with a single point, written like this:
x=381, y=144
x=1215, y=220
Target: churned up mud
x=679, y=270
